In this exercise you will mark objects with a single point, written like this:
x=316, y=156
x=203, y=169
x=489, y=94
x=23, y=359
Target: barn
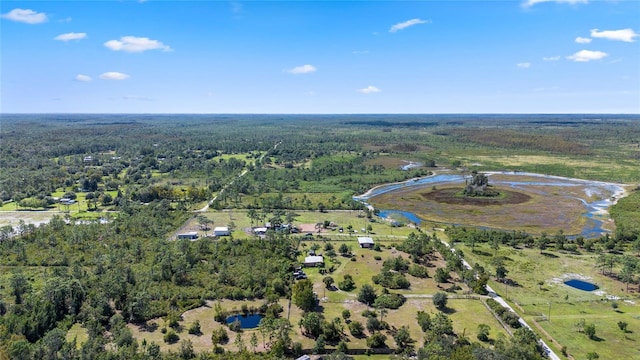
x=221, y=231
x=365, y=242
x=313, y=260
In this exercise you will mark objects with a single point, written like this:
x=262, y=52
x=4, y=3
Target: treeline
x=626, y=214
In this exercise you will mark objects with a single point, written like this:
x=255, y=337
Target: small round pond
x=581, y=285
x=249, y=321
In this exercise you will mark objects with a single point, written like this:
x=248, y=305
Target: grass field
x=564, y=305
x=610, y=342
x=241, y=223
x=602, y=169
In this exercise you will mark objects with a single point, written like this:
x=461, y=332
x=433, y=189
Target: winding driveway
x=243, y=173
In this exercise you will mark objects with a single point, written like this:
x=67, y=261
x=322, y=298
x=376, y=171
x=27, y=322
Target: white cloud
x=81, y=77
x=369, y=90
x=26, y=16
x=70, y=36
x=113, y=75
x=530, y=3
x=406, y=24
x=135, y=44
x=304, y=69
x=625, y=35
x=524, y=65
x=587, y=55
x=581, y=40
x=551, y=58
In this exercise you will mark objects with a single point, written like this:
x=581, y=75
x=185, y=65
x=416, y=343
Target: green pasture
x=529, y=267
x=610, y=341
x=248, y=157
x=541, y=294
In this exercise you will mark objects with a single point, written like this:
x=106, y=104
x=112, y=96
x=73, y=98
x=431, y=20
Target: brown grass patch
x=449, y=196
x=532, y=209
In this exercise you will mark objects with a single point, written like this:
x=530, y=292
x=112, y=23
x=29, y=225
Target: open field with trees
x=91, y=265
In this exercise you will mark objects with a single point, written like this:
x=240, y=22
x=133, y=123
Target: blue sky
x=530, y=56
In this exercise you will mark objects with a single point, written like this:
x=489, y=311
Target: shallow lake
x=595, y=209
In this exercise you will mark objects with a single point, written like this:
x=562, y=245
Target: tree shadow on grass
x=148, y=327
x=549, y=255
x=481, y=253
x=448, y=310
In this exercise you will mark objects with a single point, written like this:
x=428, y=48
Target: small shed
x=313, y=260
x=221, y=231
x=191, y=235
x=365, y=242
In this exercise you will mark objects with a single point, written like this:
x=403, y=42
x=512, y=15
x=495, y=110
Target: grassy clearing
x=610, y=341
x=565, y=305
x=529, y=267
x=248, y=157
x=466, y=314
x=29, y=217
x=380, y=229
x=35, y=274
x=78, y=333
x=594, y=168
x=152, y=332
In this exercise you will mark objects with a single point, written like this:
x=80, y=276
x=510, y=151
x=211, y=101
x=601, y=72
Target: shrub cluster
x=391, y=280
x=509, y=317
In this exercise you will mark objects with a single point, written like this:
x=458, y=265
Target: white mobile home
x=221, y=231
x=313, y=260
x=365, y=242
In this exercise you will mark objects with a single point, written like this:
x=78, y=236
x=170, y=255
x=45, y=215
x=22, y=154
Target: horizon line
x=294, y=114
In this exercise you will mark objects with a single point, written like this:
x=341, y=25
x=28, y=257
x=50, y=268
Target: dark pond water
x=581, y=285
x=246, y=322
